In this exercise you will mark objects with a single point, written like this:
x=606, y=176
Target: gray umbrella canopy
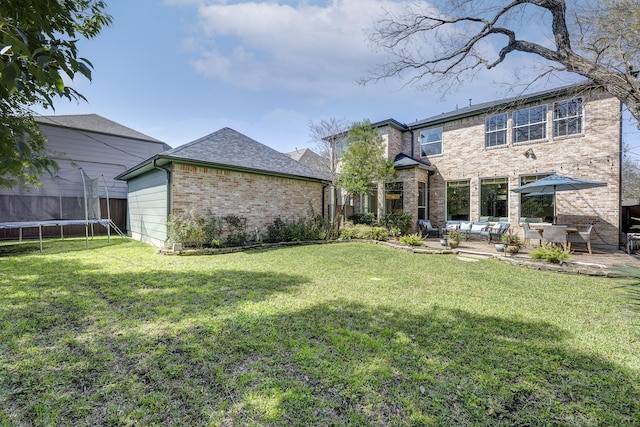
x=554, y=183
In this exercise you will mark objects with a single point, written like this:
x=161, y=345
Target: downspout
x=168, y=171
x=620, y=222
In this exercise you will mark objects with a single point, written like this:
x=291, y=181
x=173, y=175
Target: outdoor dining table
x=541, y=228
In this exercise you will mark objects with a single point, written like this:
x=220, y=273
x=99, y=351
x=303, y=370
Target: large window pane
x=458, y=200
x=530, y=124
x=431, y=142
x=494, y=197
x=496, y=130
x=535, y=207
x=393, y=195
x=567, y=117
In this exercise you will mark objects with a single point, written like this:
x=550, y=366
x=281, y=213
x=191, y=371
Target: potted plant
x=512, y=243
x=395, y=233
x=454, y=237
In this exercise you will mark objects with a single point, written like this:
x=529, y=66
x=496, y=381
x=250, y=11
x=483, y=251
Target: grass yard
x=343, y=334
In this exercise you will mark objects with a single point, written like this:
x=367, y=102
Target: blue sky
x=178, y=70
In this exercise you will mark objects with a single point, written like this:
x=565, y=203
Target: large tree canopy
x=449, y=44
x=38, y=49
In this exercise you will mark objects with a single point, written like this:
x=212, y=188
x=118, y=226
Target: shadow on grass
x=237, y=348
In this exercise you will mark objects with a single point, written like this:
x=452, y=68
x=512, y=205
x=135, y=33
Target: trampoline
x=84, y=204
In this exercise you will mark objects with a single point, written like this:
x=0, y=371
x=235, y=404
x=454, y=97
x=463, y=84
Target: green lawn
x=342, y=334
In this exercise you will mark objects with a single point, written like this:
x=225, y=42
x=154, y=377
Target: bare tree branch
x=444, y=46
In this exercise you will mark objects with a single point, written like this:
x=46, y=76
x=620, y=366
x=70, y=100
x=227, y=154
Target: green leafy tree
x=38, y=49
x=363, y=163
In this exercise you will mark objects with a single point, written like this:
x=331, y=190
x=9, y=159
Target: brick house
x=222, y=173
x=463, y=164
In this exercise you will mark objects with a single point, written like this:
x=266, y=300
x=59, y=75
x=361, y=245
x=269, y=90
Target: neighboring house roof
x=310, y=158
x=403, y=161
x=472, y=110
x=229, y=149
x=95, y=123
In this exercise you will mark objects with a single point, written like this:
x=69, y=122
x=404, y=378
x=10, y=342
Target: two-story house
x=464, y=164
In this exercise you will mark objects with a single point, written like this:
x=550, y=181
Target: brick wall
x=592, y=155
x=259, y=198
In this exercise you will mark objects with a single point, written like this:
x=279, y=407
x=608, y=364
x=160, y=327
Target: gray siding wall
x=98, y=154
x=148, y=207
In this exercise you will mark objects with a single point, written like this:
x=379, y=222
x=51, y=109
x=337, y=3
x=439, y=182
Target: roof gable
x=311, y=159
x=94, y=123
x=227, y=147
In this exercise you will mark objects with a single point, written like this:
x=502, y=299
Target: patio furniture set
x=556, y=234
x=492, y=231
x=546, y=234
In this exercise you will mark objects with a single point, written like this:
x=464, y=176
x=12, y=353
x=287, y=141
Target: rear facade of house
x=462, y=165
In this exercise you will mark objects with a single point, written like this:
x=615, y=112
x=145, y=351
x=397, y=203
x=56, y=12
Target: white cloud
x=302, y=49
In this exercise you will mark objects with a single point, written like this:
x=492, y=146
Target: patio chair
x=426, y=229
x=582, y=237
x=555, y=234
x=530, y=233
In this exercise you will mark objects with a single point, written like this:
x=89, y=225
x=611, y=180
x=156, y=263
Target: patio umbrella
x=554, y=183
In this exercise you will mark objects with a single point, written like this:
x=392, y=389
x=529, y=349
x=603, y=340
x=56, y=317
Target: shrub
x=315, y=228
x=396, y=220
x=237, y=227
x=363, y=231
x=368, y=218
x=411, y=239
x=555, y=255
x=188, y=229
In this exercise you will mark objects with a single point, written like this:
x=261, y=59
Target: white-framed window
x=496, y=130
x=431, y=142
x=530, y=124
x=567, y=117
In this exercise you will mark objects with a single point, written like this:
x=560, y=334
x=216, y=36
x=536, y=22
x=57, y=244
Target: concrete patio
x=600, y=256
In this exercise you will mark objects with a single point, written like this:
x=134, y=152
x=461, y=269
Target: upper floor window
x=530, y=124
x=567, y=117
x=431, y=142
x=496, y=130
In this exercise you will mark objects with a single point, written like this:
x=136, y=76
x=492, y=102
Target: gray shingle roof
x=94, y=123
x=404, y=161
x=570, y=90
x=227, y=147
x=311, y=159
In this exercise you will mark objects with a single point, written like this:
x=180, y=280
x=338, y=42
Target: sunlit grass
x=341, y=334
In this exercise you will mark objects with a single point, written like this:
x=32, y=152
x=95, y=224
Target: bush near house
x=396, y=220
x=315, y=228
x=363, y=231
x=367, y=218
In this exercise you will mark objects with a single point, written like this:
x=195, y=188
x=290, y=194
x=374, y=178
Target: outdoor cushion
x=465, y=226
x=477, y=227
x=452, y=226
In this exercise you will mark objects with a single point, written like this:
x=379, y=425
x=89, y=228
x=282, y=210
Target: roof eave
x=162, y=160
